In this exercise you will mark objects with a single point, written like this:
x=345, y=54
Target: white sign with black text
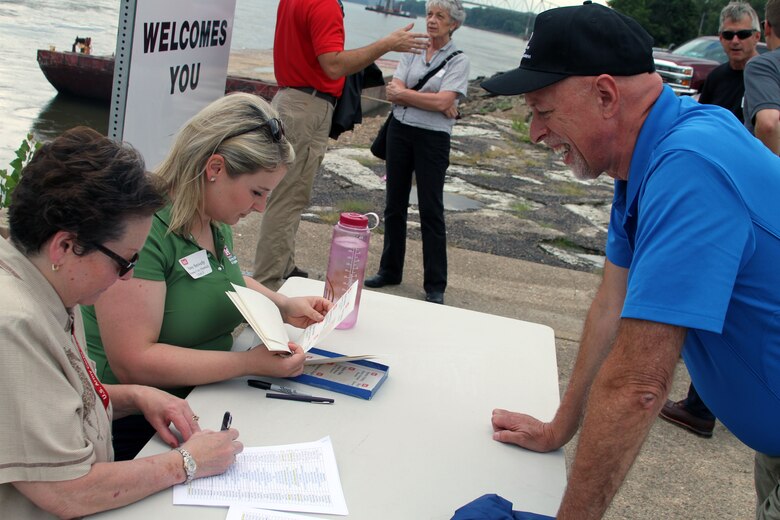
x=178, y=64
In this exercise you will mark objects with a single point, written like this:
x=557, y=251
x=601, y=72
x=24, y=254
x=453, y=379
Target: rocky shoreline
x=503, y=194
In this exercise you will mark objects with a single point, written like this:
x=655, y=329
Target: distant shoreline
x=511, y=34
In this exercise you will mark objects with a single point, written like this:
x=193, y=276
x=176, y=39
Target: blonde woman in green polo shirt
x=171, y=326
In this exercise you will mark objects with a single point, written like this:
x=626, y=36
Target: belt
x=322, y=95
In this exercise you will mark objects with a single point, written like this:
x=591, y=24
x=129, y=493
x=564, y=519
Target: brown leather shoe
x=677, y=413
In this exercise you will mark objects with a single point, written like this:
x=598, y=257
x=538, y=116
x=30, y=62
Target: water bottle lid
x=353, y=219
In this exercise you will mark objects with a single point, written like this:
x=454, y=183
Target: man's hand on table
x=524, y=430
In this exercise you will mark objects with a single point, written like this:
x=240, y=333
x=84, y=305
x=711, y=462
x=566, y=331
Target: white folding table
x=422, y=447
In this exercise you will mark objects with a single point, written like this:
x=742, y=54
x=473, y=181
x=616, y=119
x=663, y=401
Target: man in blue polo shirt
x=692, y=254
x=739, y=35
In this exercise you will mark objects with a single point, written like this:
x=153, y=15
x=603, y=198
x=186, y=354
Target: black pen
x=302, y=398
x=227, y=419
x=265, y=385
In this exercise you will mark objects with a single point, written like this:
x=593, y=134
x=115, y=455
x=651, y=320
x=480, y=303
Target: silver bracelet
x=190, y=466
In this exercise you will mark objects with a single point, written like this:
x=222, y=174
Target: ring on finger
x=195, y=418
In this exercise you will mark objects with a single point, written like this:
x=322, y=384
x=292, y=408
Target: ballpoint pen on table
x=302, y=398
x=227, y=419
x=265, y=385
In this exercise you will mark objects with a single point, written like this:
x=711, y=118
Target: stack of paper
x=295, y=477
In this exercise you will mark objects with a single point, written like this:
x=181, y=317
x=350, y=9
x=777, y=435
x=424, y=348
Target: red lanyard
x=99, y=388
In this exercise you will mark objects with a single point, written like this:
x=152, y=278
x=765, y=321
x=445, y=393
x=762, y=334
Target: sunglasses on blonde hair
x=274, y=125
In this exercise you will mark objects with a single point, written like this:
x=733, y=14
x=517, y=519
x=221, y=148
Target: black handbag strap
x=433, y=71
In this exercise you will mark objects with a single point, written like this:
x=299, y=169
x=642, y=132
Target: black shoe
x=297, y=272
x=435, y=297
x=379, y=280
x=677, y=414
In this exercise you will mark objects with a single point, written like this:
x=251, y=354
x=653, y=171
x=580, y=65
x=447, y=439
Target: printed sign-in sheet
x=294, y=477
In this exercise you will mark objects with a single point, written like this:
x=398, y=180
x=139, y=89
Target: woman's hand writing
x=214, y=452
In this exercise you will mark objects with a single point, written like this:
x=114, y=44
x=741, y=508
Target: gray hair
x=736, y=11
x=231, y=126
x=454, y=7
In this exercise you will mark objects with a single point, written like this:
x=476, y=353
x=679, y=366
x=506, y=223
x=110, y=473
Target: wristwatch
x=190, y=466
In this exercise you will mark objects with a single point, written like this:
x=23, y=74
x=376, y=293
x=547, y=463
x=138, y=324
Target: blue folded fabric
x=494, y=507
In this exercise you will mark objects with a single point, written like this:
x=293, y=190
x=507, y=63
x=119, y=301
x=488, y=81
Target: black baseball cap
x=585, y=40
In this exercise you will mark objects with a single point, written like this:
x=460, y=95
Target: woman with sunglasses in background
x=78, y=218
x=171, y=326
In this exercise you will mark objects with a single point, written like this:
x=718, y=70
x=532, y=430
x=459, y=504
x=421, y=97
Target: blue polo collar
x=659, y=121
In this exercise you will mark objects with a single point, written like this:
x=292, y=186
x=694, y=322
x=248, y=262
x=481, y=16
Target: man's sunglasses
x=125, y=266
x=744, y=34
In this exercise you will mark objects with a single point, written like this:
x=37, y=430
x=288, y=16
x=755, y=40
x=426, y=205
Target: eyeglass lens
x=125, y=266
x=742, y=35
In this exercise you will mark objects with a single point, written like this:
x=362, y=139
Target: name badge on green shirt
x=197, y=264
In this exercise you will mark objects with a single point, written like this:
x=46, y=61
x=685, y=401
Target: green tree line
x=493, y=19
x=670, y=22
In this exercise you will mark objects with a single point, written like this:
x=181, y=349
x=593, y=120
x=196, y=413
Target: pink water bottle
x=347, y=262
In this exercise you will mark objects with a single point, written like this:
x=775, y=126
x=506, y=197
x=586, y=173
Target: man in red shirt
x=310, y=63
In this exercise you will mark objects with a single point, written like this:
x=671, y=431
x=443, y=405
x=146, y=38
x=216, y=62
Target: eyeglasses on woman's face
x=125, y=266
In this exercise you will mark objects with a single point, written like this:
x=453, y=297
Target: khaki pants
x=307, y=125
x=767, y=477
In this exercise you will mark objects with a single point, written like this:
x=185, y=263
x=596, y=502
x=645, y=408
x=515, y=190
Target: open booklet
x=265, y=319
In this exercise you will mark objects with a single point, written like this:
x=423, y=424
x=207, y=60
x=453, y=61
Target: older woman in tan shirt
x=78, y=218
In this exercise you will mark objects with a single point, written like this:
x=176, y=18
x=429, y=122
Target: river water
x=28, y=103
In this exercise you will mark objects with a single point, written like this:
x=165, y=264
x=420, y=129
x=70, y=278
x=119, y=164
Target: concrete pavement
x=677, y=475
